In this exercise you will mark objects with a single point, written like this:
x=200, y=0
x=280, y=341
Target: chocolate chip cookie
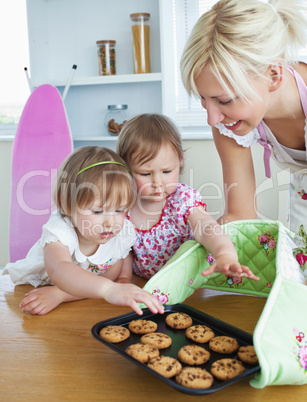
x=166, y=366
x=178, y=320
x=142, y=326
x=193, y=355
x=114, y=333
x=226, y=369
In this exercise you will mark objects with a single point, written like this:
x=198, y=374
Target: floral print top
x=155, y=246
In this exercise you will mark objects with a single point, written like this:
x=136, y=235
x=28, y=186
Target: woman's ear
x=275, y=74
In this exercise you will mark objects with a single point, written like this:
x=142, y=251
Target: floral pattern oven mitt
x=280, y=337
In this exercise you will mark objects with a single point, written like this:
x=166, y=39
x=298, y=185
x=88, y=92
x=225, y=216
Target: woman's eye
x=166, y=171
x=225, y=102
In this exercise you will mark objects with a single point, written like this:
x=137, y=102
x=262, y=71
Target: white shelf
x=96, y=138
x=110, y=79
x=64, y=33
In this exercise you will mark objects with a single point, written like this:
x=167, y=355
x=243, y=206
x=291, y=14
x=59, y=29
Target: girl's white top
x=32, y=269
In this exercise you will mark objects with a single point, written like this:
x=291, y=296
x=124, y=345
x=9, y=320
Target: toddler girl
x=168, y=213
x=85, y=245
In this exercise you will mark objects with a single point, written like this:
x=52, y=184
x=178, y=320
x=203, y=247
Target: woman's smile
x=233, y=126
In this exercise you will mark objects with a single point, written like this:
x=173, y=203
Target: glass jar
x=115, y=118
x=141, y=42
x=106, y=57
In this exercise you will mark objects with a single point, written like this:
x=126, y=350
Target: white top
x=32, y=269
x=296, y=154
x=243, y=140
x=284, y=156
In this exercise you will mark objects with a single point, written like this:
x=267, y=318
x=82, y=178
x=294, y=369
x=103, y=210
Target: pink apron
x=297, y=198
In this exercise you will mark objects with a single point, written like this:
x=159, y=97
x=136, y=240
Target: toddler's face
x=96, y=224
x=157, y=178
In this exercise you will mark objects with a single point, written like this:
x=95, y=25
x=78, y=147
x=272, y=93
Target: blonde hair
x=111, y=182
x=241, y=38
x=142, y=137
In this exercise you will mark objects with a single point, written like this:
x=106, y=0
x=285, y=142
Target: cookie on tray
x=199, y=333
x=223, y=344
x=247, y=354
x=166, y=366
x=193, y=355
x=178, y=320
x=142, y=326
x=142, y=352
x=114, y=333
x=161, y=341
x=194, y=377
x=227, y=369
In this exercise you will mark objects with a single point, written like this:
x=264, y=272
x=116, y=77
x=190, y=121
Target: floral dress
x=155, y=246
x=32, y=269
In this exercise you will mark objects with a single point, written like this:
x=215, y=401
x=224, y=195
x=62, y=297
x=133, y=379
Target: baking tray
x=178, y=340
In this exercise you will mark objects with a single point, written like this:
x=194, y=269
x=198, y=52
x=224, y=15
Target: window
x=189, y=112
x=15, y=56
x=186, y=111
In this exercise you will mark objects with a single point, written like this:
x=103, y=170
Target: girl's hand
x=130, y=295
x=42, y=300
x=228, y=266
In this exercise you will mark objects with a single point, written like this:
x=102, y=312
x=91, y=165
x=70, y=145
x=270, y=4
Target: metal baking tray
x=178, y=340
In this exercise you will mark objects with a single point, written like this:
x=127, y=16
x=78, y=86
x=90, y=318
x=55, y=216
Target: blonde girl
x=85, y=245
x=242, y=60
x=168, y=213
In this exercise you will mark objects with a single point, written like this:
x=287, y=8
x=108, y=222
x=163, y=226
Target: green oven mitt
x=280, y=337
x=258, y=243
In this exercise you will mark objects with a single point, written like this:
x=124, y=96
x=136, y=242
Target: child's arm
x=75, y=281
x=41, y=300
x=211, y=235
x=125, y=275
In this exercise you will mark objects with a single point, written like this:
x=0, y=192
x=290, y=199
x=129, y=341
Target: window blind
x=189, y=112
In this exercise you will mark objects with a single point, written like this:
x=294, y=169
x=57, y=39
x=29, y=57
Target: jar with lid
x=115, y=118
x=141, y=42
x=106, y=57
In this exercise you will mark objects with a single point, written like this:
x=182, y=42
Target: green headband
x=102, y=163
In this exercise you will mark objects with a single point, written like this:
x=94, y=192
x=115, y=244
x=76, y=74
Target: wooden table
x=55, y=358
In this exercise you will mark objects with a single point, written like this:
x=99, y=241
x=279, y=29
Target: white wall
x=5, y=185
x=202, y=171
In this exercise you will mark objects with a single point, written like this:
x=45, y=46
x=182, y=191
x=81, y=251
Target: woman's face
x=236, y=114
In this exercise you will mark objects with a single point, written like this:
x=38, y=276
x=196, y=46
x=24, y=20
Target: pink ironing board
x=42, y=142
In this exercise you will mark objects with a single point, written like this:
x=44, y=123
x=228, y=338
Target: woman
x=242, y=60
